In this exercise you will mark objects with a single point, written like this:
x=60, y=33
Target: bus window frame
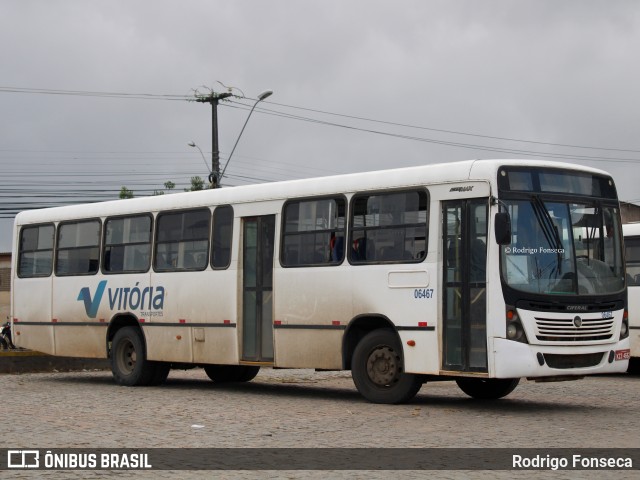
x=283, y=234
x=157, y=231
x=53, y=249
x=212, y=239
x=103, y=250
x=371, y=193
x=57, y=246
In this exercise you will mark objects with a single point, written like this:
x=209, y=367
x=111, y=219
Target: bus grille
x=573, y=361
x=565, y=330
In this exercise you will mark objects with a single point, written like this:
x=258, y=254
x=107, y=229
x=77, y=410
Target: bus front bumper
x=518, y=360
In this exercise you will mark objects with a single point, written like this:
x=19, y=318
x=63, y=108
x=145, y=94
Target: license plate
x=623, y=354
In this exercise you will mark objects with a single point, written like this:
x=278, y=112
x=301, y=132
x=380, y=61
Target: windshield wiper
x=549, y=230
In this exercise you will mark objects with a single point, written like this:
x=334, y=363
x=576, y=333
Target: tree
x=169, y=185
x=126, y=193
x=197, y=183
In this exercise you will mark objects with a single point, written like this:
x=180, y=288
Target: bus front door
x=257, y=288
x=464, y=293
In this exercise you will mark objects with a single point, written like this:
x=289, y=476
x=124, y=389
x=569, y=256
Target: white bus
x=481, y=272
x=631, y=233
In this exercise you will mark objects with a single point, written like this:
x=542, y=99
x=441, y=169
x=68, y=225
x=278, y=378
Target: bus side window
x=222, y=237
x=313, y=232
x=180, y=235
x=78, y=248
x=35, y=255
x=127, y=244
x=389, y=227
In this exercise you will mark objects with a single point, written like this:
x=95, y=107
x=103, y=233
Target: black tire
x=634, y=366
x=249, y=373
x=129, y=363
x=231, y=373
x=377, y=368
x=487, y=388
x=162, y=370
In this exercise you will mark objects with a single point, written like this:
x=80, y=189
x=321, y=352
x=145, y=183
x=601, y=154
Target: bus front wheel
x=129, y=363
x=487, y=388
x=377, y=369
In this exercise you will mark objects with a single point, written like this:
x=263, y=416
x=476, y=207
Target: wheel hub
x=127, y=357
x=382, y=366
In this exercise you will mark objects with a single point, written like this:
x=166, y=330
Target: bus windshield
x=563, y=248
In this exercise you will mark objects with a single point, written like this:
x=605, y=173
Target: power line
x=454, y=132
x=82, y=93
x=173, y=97
x=511, y=151
x=49, y=185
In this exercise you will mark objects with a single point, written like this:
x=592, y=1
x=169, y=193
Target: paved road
x=301, y=408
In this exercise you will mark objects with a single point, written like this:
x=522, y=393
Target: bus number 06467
x=423, y=293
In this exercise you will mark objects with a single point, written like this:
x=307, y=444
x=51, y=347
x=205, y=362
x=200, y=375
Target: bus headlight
x=624, y=328
x=514, y=329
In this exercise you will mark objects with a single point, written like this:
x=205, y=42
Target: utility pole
x=213, y=99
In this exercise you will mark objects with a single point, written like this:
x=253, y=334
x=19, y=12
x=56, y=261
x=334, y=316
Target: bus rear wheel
x=377, y=369
x=231, y=373
x=487, y=388
x=129, y=363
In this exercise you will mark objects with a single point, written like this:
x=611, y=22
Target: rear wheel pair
x=130, y=366
x=129, y=363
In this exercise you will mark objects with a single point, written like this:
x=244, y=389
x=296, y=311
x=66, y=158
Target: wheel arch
x=119, y=321
x=358, y=327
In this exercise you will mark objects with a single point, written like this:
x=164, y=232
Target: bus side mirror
x=503, y=228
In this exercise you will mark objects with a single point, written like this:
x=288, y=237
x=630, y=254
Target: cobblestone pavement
x=302, y=408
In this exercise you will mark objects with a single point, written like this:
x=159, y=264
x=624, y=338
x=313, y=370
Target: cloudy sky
x=94, y=93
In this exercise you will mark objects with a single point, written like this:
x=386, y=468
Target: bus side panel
x=167, y=332
x=306, y=348
x=408, y=296
x=217, y=344
x=423, y=357
x=197, y=320
x=82, y=300
x=84, y=341
x=312, y=308
x=32, y=303
x=168, y=343
x=38, y=338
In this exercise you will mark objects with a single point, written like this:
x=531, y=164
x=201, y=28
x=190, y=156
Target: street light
x=262, y=96
x=193, y=144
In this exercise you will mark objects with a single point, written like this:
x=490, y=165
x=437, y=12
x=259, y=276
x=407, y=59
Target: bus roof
x=374, y=180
